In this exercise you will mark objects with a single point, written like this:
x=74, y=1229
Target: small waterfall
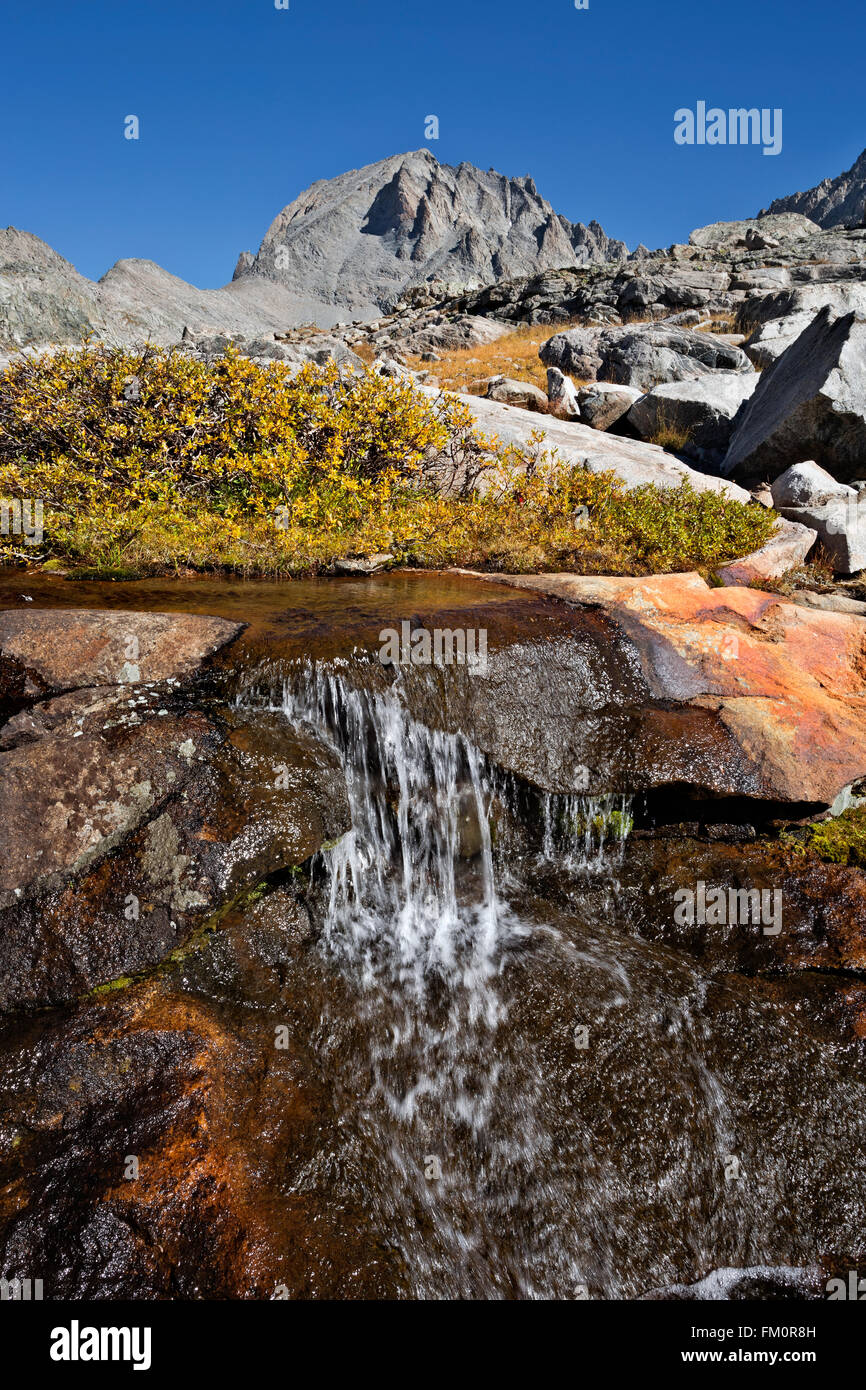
x=414, y=917
x=418, y=926
x=402, y=904
x=584, y=834
x=494, y=1044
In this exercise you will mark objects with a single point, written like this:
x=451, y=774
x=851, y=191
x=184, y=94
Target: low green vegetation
x=614, y=825
x=158, y=463
x=839, y=840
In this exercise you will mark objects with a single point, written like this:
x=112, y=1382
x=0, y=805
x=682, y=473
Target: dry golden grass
x=670, y=438
x=817, y=574
x=668, y=435
x=366, y=352
x=515, y=355
x=719, y=323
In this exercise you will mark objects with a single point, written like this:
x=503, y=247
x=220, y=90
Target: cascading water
x=577, y=830
x=421, y=929
x=530, y=1101
x=395, y=902
x=420, y=925
x=416, y=919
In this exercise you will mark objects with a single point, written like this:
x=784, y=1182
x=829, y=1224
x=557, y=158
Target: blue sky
x=242, y=106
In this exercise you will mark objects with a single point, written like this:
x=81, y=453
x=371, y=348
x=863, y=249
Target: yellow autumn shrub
x=156, y=461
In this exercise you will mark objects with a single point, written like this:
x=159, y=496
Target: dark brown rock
x=220, y=1123
x=195, y=809
x=45, y=651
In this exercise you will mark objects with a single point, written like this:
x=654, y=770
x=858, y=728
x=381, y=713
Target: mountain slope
x=347, y=247
x=833, y=202
x=363, y=238
x=43, y=299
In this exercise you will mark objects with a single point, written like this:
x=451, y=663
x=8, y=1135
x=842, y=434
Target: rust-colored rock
x=784, y=687
x=150, y=1146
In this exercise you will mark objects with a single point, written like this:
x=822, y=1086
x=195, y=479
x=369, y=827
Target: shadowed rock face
x=703, y=408
x=821, y=917
x=810, y=404
x=775, y=321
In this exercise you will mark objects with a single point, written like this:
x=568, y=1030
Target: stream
x=493, y=1082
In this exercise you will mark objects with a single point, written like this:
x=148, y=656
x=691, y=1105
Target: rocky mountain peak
x=362, y=239
x=833, y=202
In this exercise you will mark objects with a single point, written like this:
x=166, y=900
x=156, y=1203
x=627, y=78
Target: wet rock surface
x=130, y=812
x=666, y=682
x=263, y=1170
x=435, y=1030
x=45, y=652
x=812, y=916
x=151, y=1141
x=193, y=811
